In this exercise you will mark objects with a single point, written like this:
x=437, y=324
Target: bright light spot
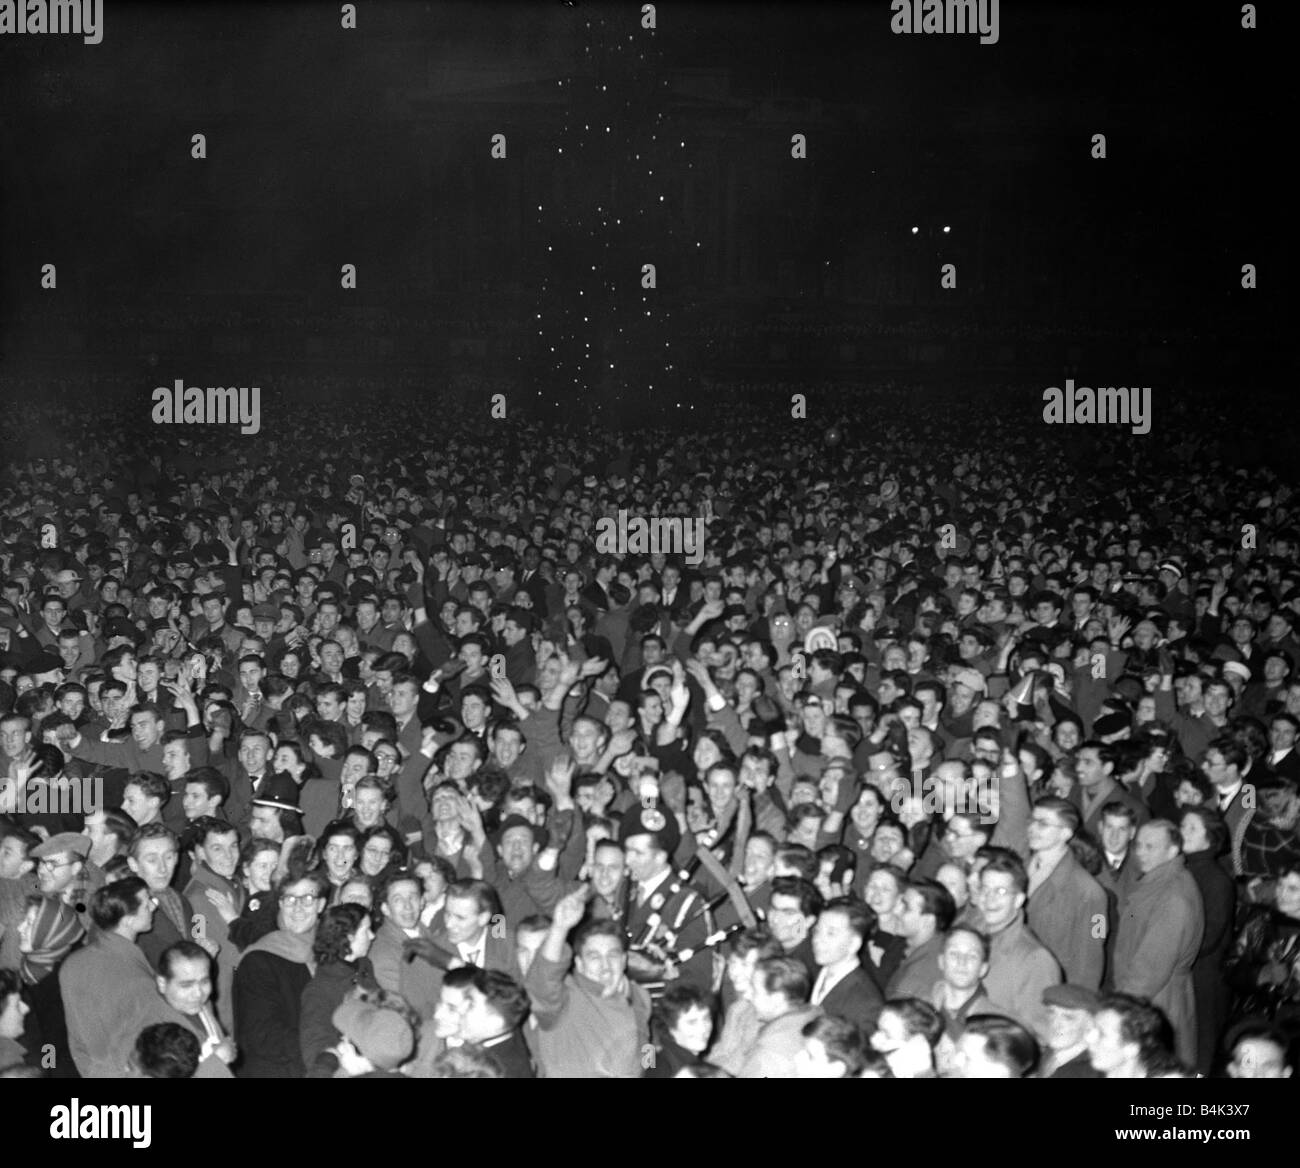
x=946, y=230
x=915, y=230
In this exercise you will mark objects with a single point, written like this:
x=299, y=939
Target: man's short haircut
x=936, y=901
x=1063, y=809
x=213, y=782
x=756, y=940
x=676, y=1001
x=1141, y=1023
x=480, y=892
x=971, y=931
x=1117, y=810
x=1234, y=752
x=181, y=951
x=802, y=859
x=1172, y=834
x=1008, y=863
x=152, y=831
x=1005, y=1042
x=167, y=1050
x=116, y=901
x=841, y=1040
x=505, y=996
x=805, y=891
x=537, y=923
x=918, y=1017
x=152, y=786
x=861, y=919
x=206, y=826
x=787, y=976
x=590, y=929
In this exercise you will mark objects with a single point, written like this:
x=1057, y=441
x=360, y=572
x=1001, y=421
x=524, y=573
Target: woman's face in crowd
x=1288, y=895
x=881, y=894
x=260, y=871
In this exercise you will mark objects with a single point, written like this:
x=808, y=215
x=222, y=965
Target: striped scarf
x=56, y=930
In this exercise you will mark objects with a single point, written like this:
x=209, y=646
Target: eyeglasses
x=54, y=865
x=298, y=901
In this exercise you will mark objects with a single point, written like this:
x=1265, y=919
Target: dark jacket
x=45, y=1026
x=256, y=919
x=268, y=1006
x=856, y=998
x=320, y=998
x=1219, y=896
x=510, y=1053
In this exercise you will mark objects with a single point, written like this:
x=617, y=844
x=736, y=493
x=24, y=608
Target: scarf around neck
x=55, y=932
x=295, y=947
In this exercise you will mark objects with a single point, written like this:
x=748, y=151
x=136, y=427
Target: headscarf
x=56, y=931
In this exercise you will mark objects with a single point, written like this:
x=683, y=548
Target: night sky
x=628, y=147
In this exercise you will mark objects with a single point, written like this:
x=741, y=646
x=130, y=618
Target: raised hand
x=570, y=909
x=559, y=776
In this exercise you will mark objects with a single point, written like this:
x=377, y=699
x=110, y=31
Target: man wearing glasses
x=269, y=981
x=61, y=870
x=1067, y=907
x=1020, y=966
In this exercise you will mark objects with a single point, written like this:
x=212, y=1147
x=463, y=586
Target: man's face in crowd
x=138, y=805
x=527, y=945
x=472, y=656
x=176, y=759
x=603, y=960
x=146, y=729
x=1089, y=768
x=1107, y=1049
x=507, y=746
x=463, y=920
x=462, y=760
x=999, y=899
x=15, y=738
x=608, y=868
x=13, y=858
x=760, y=860
x=300, y=907
x=329, y=707
x=254, y=752
x=189, y=987
x=155, y=862
x=1066, y=1028
x=403, y=699
x=517, y=850
x=1218, y=696
x=340, y=857
x=331, y=658
x=1116, y=834
x=52, y=612
x=786, y=920
x=54, y=874
x=1153, y=848
x=221, y=853
x=264, y=823
x=834, y=939
x=402, y=904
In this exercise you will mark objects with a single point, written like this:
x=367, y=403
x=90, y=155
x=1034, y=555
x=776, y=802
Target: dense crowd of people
x=348, y=750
